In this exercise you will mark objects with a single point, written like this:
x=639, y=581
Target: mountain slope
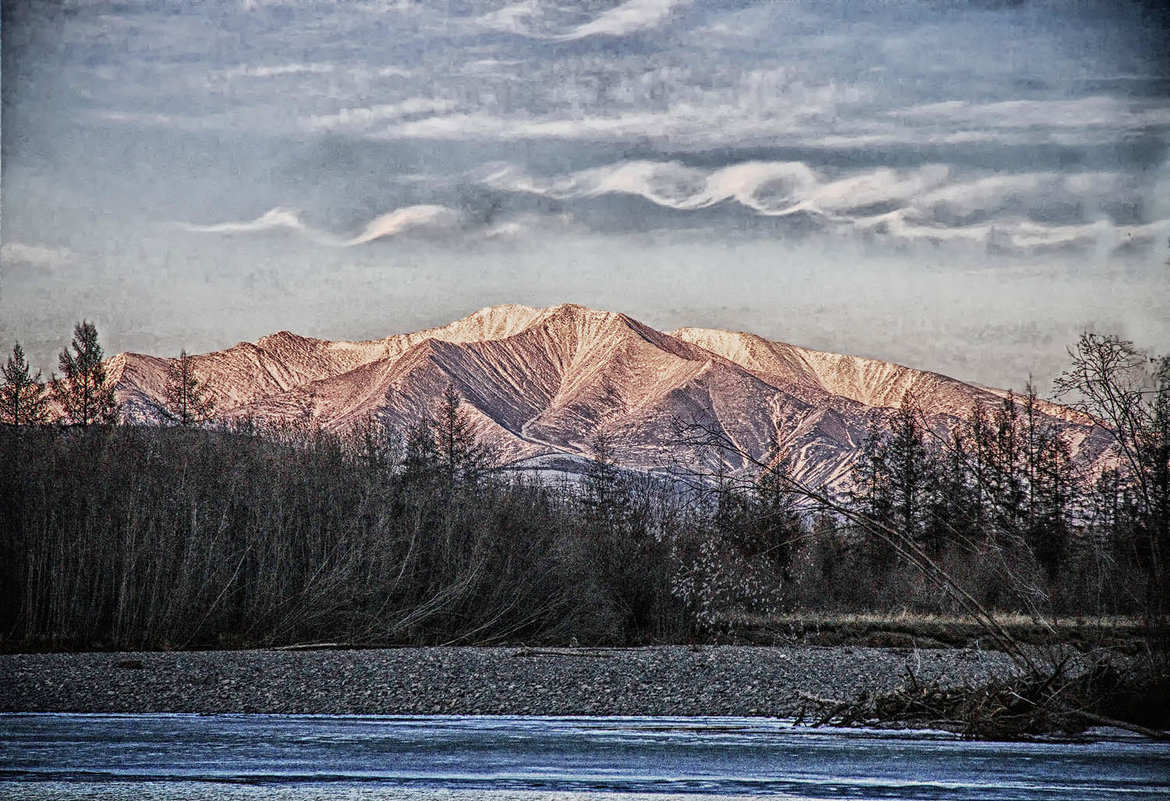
x=547, y=382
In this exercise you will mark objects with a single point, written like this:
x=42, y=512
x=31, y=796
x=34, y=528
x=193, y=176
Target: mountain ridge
x=546, y=382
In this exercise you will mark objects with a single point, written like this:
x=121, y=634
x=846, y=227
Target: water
x=300, y=757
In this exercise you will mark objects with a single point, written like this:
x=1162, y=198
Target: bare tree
x=901, y=543
x=22, y=396
x=186, y=396
x=1128, y=391
x=83, y=391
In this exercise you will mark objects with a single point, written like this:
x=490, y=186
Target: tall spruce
x=460, y=453
x=893, y=480
x=605, y=493
x=83, y=391
x=22, y=396
x=186, y=396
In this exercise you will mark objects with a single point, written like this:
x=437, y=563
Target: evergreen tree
x=83, y=391
x=421, y=460
x=1006, y=470
x=953, y=501
x=777, y=521
x=186, y=396
x=895, y=478
x=460, y=454
x=606, y=496
x=22, y=397
x=870, y=494
x=911, y=474
x=1050, y=488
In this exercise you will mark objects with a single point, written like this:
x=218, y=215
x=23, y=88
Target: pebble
x=660, y=680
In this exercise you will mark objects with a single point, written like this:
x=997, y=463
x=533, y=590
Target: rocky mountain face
x=542, y=384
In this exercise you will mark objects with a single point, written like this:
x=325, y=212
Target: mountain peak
x=490, y=322
x=547, y=381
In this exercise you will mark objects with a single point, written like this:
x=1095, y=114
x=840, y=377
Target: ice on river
x=167, y=756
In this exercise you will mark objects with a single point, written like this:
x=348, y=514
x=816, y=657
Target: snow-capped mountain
x=543, y=383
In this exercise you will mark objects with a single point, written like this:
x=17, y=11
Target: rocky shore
x=668, y=680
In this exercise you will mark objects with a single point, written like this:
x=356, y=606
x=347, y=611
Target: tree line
x=83, y=393
x=242, y=533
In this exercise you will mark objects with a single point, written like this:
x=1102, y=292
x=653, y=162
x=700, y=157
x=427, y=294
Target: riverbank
x=667, y=680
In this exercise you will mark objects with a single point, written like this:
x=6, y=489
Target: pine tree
x=895, y=476
x=22, y=397
x=910, y=469
x=83, y=391
x=460, y=454
x=1050, y=488
x=605, y=495
x=185, y=396
x=421, y=459
x=777, y=521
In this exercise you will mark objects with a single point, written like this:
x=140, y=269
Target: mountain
x=541, y=384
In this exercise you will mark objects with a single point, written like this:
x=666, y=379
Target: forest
x=212, y=533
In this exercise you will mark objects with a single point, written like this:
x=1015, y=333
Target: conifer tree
x=910, y=469
x=83, y=391
x=421, y=458
x=22, y=397
x=895, y=477
x=459, y=453
x=605, y=495
x=185, y=395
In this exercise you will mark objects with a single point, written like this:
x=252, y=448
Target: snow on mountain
x=544, y=383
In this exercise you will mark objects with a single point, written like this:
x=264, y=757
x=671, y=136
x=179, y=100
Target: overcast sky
x=960, y=186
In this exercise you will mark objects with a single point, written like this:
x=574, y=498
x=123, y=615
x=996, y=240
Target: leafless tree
x=1128, y=392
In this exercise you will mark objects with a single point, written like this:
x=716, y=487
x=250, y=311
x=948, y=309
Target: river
x=169, y=756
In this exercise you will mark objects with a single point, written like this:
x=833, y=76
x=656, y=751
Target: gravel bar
x=667, y=680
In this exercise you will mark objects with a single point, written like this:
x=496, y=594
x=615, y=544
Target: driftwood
x=1002, y=709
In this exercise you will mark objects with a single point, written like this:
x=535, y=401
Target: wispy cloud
x=1085, y=112
x=1025, y=213
x=766, y=187
x=630, y=17
x=400, y=221
x=275, y=70
x=542, y=19
x=365, y=119
x=410, y=219
x=35, y=255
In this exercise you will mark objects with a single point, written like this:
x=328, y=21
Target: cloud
x=630, y=17
x=361, y=120
x=273, y=219
x=769, y=188
x=411, y=218
x=535, y=19
x=1041, y=197
x=274, y=70
x=421, y=218
x=1086, y=112
x=1018, y=236
x=515, y=18
x=35, y=255
x=1031, y=212
x=875, y=188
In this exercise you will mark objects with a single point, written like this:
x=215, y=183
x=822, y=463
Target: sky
x=957, y=186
